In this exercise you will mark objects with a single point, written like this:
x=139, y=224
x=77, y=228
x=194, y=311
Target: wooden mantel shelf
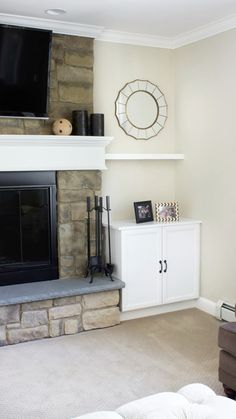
x=53, y=140
x=51, y=152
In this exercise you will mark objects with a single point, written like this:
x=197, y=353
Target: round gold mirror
x=141, y=109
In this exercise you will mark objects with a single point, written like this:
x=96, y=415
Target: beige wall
x=206, y=132
x=199, y=82
x=125, y=181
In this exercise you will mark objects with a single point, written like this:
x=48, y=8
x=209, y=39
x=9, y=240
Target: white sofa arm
x=205, y=404
x=159, y=406
x=194, y=401
x=100, y=415
x=197, y=393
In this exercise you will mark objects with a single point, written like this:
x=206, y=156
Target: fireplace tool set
x=96, y=263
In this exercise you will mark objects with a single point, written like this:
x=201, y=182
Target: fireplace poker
x=88, y=232
x=109, y=266
x=96, y=263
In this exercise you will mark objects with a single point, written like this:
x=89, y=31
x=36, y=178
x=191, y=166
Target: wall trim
x=107, y=35
x=206, y=31
x=153, y=311
x=201, y=303
x=206, y=305
x=60, y=27
x=135, y=39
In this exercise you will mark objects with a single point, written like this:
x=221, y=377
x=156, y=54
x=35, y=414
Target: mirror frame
x=121, y=109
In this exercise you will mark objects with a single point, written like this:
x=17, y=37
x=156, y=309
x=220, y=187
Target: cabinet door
x=181, y=253
x=141, y=253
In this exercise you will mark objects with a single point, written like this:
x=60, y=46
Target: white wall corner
x=206, y=305
x=205, y=31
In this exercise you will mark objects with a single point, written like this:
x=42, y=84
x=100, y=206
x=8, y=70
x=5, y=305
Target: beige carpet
x=64, y=377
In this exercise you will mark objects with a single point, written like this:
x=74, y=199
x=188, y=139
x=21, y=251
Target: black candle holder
x=96, y=262
x=97, y=124
x=80, y=122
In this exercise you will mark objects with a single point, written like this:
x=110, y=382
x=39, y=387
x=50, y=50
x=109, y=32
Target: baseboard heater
x=225, y=311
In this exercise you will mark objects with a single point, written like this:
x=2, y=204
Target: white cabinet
x=141, y=251
x=181, y=263
x=159, y=263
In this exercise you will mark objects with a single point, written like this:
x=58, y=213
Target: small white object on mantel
x=50, y=152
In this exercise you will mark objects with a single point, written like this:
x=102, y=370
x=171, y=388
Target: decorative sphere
x=62, y=127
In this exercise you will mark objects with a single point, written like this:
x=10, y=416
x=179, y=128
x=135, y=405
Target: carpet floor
x=68, y=376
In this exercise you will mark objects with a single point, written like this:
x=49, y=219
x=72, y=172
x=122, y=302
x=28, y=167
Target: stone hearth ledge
x=60, y=307
x=58, y=288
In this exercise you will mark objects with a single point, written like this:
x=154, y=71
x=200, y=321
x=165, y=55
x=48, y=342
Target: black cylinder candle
x=97, y=124
x=80, y=122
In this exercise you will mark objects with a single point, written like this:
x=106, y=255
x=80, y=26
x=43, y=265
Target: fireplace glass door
x=27, y=233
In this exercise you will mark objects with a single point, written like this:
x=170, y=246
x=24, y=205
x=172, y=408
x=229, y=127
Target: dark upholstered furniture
x=227, y=364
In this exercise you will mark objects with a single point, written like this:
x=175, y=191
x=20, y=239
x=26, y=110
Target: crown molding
x=135, y=39
x=60, y=27
x=186, y=38
x=107, y=35
x=204, y=32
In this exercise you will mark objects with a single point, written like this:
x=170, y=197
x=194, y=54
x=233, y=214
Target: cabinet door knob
x=160, y=271
x=165, y=269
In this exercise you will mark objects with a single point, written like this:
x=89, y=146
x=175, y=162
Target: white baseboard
x=152, y=311
x=201, y=303
x=206, y=305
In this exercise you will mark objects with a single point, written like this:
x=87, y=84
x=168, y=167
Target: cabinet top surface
x=131, y=224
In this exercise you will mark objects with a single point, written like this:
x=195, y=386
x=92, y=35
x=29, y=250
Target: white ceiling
x=169, y=21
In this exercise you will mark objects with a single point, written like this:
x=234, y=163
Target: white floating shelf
x=144, y=156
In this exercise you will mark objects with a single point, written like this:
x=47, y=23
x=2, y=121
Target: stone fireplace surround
x=69, y=305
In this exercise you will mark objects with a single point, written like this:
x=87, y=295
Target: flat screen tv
x=24, y=72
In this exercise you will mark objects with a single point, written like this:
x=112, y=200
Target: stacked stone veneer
x=71, y=88
x=72, y=189
x=57, y=317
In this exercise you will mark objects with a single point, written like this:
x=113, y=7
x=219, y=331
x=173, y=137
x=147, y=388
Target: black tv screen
x=24, y=71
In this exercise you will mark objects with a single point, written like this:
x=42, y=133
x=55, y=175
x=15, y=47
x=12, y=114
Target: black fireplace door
x=28, y=243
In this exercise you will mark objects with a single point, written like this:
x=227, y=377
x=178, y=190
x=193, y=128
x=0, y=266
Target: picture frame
x=167, y=212
x=143, y=211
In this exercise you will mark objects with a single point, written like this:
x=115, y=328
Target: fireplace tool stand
x=96, y=263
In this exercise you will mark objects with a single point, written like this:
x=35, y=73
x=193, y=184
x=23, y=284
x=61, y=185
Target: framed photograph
x=143, y=211
x=167, y=211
